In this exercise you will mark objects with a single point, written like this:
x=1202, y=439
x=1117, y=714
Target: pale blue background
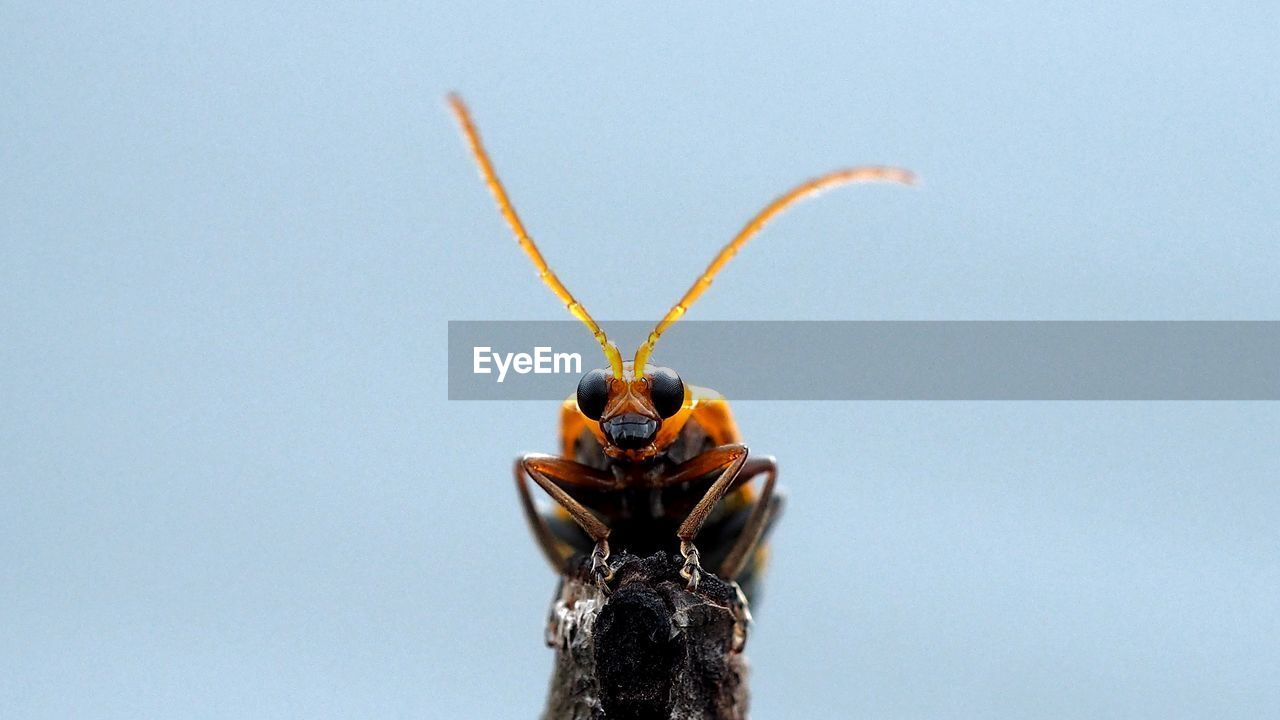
x=232, y=236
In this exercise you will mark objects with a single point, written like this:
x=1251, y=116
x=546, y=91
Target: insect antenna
x=773, y=209
x=545, y=273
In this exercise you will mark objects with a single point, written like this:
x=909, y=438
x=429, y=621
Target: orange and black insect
x=647, y=462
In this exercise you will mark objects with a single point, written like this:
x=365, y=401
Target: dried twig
x=649, y=649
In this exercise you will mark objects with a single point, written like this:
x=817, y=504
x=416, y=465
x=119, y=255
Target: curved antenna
x=866, y=173
x=545, y=273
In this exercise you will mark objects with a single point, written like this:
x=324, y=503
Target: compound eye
x=593, y=393
x=666, y=389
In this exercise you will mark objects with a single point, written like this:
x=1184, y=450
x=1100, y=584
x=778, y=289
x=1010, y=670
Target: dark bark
x=650, y=648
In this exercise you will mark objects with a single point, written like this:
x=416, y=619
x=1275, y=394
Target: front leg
x=728, y=460
x=765, y=506
x=553, y=474
x=556, y=551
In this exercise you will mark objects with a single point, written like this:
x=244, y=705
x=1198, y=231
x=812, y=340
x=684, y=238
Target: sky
x=232, y=236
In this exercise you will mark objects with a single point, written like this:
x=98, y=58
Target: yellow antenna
x=780, y=203
x=545, y=273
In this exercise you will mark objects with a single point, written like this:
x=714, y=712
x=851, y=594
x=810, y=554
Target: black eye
x=593, y=393
x=667, y=390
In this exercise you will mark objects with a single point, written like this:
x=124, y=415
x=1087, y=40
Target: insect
x=648, y=462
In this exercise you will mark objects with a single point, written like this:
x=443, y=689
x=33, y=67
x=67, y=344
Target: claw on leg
x=600, y=565
x=692, y=569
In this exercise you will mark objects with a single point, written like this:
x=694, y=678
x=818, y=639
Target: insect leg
x=555, y=551
x=550, y=473
x=728, y=459
x=736, y=560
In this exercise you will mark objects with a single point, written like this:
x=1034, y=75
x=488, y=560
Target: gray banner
x=944, y=360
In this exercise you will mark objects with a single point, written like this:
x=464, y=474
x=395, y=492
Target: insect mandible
x=646, y=461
